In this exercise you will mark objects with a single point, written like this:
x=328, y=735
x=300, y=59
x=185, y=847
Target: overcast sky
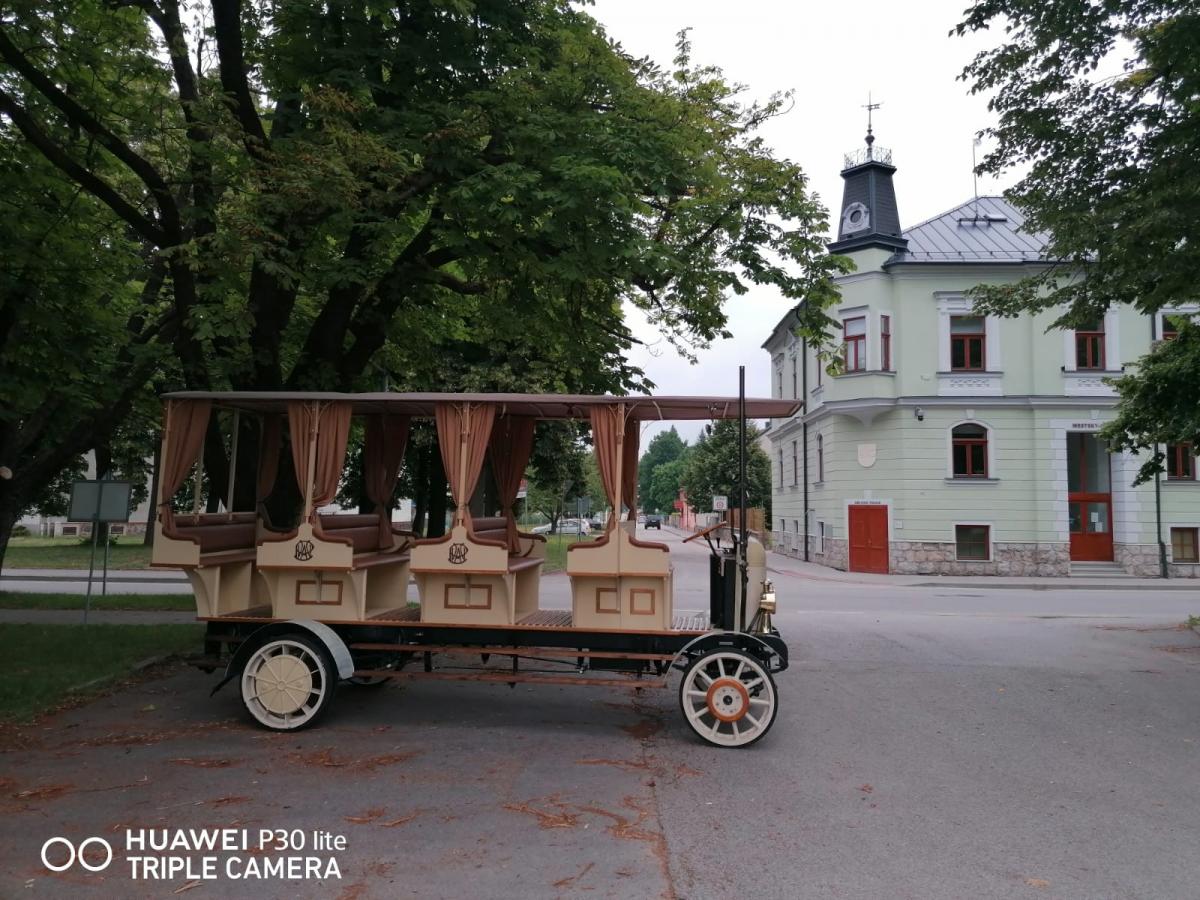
x=832, y=54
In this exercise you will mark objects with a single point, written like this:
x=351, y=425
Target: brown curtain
x=331, y=424
x=463, y=432
x=607, y=428
x=510, y=449
x=185, y=424
x=629, y=466
x=270, y=440
x=383, y=452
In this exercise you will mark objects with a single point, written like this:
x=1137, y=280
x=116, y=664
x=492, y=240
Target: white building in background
x=957, y=443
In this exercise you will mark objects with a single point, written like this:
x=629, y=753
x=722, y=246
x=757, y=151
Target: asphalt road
x=931, y=743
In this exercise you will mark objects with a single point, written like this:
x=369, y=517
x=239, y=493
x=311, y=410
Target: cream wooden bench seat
x=340, y=573
x=619, y=582
x=217, y=552
x=465, y=578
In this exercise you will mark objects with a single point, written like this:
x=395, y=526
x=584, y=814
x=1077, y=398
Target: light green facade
x=886, y=435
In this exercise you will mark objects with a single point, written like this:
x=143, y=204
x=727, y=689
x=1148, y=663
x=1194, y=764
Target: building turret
x=869, y=217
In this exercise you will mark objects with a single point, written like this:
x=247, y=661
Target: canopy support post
x=233, y=455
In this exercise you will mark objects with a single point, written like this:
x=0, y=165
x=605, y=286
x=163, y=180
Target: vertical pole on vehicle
x=743, y=570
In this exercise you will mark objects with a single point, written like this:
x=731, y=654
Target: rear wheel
x=728, y=698
x=288, y=682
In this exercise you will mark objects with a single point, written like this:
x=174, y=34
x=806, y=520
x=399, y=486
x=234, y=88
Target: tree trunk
x=437, y=495
x=152, y=513
x=12, y=502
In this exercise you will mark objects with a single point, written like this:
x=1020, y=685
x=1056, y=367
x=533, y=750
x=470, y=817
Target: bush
x=19, y=531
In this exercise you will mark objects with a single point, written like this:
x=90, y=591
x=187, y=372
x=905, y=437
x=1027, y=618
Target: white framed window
x=973, y=542
x=1096, y=348
x=971, y=451
x=820, y=536
x=953, y=305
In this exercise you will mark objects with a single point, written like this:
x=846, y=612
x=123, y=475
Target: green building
x=960, y=444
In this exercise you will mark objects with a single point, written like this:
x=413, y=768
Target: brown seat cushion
x=218, y=538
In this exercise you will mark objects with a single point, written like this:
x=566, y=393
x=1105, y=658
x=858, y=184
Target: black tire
x=275, y=691
x=717, y=704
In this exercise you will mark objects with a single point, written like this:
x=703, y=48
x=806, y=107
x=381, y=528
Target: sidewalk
x=787, y=565
x=74, y=581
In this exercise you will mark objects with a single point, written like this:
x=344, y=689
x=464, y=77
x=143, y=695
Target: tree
x=556, y=471
x=300, y=195
x=665, y=482
x=1110, y=174
x=712, y=467
x=664, y=447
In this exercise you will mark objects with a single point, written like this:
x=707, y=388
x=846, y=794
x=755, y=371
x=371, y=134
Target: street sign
x=720, y=504
x=100, y=501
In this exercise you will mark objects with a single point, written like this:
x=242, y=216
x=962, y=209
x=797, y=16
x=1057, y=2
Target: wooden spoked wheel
x=287, y=683
x=728, y=698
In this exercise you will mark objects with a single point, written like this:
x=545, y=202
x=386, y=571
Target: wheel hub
x=728, y=699
x=284, y=683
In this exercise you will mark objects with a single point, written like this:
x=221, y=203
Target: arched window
x=969, y=451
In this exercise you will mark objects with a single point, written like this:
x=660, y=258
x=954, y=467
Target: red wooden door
x=869, y=539
x=1089, y=497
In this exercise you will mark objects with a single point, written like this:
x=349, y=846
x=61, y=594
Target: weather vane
x=870, y=108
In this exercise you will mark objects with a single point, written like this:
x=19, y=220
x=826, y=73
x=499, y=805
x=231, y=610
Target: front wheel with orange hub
x=728, y=698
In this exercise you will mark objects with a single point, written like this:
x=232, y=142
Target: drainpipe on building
x=804, y=433
x=1162, y=547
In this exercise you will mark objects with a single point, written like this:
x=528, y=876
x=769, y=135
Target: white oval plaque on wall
x=866, y=455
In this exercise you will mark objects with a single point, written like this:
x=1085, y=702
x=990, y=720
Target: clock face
x=856, y=217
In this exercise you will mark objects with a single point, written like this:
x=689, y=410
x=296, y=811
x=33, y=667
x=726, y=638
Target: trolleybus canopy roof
x=541, y=406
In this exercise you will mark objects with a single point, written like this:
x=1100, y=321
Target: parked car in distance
x=573, y=526
x=654, y=522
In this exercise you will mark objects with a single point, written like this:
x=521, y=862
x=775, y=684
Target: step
x=1098, y=570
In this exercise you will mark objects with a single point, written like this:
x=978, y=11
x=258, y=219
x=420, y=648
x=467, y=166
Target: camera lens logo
x=74, y=854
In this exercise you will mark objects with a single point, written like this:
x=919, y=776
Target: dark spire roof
x=869, y=217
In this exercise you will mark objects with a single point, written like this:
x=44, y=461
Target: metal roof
x=986, y=230
x=541, y=406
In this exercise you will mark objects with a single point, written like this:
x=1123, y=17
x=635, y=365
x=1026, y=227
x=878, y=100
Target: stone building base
x=1019, y=559
x=1143, y=560
x=1013, y=559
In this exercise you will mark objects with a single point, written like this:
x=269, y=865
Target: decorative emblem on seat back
x=304, y=550
x=458, y=554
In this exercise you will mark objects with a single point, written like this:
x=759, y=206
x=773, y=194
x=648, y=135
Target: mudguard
x=770, y=647
x=338, y=651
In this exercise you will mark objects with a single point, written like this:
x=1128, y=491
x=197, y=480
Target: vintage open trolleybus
x=295, y=608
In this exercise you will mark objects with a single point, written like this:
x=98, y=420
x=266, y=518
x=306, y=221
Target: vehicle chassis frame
x=626, y=659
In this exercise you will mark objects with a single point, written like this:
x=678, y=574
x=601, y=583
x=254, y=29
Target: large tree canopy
x=448, y=194
x=1110, y=171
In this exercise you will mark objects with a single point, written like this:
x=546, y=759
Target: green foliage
x=664, y=447
x=1159, y=401
x=1109, y=170
x=556, y=475
x=665, y=481
x=712, y=468
x=453, y=196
